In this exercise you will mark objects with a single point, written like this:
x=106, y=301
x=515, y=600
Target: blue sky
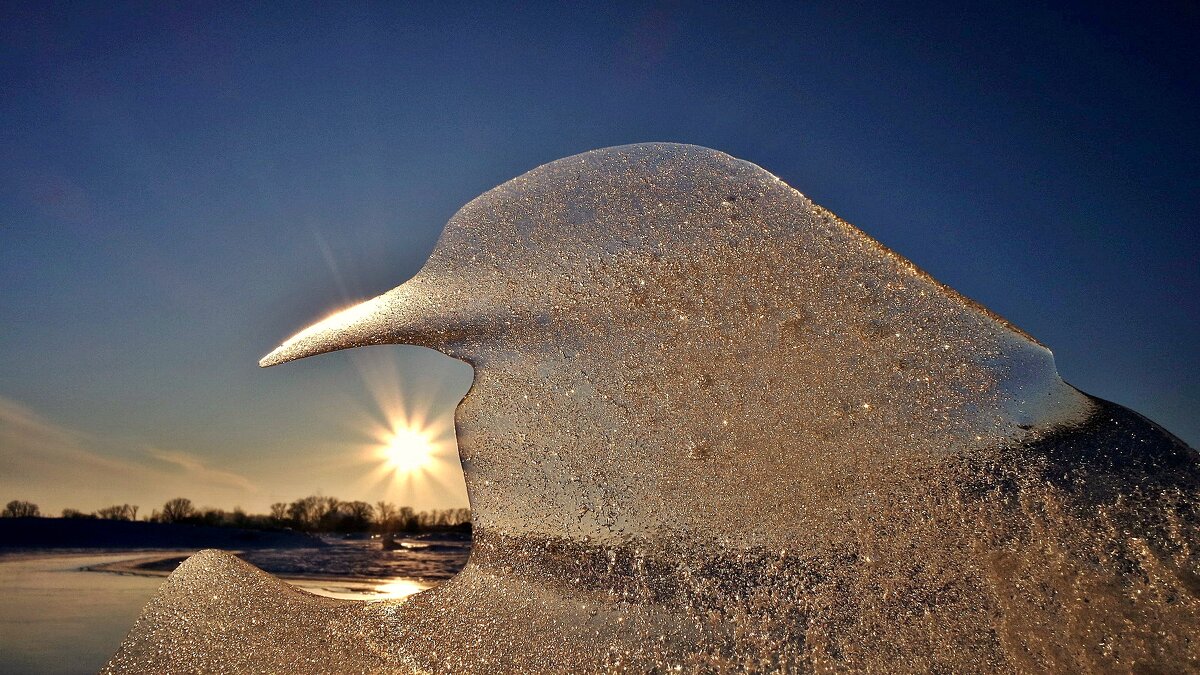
x=183, y=185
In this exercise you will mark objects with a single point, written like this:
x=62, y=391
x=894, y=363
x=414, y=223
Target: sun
x=408, y=450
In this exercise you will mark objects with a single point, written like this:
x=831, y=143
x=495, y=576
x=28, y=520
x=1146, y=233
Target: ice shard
x=715, y=428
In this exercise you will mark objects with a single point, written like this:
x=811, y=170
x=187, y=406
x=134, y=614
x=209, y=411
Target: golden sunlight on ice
x=333, y=324
x=342, y=589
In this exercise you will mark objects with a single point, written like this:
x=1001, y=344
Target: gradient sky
x=184, y=185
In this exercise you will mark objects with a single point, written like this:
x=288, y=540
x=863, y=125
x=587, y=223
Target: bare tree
x=121, y=512
x=209, y=516
x=328, y=508
x=177, y=510
x=111, y=513
x=238, y=517
x=279, y=511
x=20, y=509
x=385, y=516
x=407, y=519
x=355, y=516
x=305, y=512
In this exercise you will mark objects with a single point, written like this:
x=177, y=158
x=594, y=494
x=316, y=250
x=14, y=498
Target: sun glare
x=408, y=450
x=409, y=453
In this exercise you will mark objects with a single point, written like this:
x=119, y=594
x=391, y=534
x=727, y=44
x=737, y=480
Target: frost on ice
x=715, y=428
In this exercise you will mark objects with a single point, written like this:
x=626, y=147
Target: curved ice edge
x=228, y=574
x=215, y=594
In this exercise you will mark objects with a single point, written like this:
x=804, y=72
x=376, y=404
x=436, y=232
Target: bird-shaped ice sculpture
x=715, y=428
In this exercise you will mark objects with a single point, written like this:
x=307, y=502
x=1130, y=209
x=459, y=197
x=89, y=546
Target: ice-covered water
x=432, y=558
x=715, y=428
x=352, y=568
x=58, y=620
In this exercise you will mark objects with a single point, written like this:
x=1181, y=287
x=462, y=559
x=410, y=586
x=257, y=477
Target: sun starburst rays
x=410, y=450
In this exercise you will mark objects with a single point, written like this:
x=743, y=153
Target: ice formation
x=715, y=428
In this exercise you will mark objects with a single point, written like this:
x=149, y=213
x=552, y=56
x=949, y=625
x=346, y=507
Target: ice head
x=672, y=342
x=713, y=426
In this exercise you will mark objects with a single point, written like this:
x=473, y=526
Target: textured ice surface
x=715, y=428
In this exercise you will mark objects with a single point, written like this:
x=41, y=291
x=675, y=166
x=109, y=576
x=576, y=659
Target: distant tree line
x=309, y=514
x=115, y=512
x=20, y=509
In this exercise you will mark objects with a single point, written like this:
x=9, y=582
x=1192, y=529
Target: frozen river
x=57, y=617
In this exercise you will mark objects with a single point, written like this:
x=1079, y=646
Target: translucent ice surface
x=715, y=428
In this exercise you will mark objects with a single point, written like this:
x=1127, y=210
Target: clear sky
x=184, y=185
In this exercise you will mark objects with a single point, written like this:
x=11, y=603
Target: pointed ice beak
x=392, y=318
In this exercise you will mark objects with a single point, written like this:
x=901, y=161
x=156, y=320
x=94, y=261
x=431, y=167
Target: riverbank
x=39, y=534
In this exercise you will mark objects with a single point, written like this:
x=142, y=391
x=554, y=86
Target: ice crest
x=713, y=427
